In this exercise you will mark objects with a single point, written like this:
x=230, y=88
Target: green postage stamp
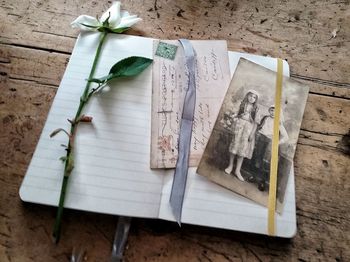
x=166, y=50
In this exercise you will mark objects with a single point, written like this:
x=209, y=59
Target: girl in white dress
x=243, y=130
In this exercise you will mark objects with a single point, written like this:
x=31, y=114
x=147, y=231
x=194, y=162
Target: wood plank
x=253, y=30
x=297, y=31
x=35, y=43
x=26, y=64
x=326, y=115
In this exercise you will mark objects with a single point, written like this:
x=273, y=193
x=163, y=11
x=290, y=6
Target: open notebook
x=112, y=173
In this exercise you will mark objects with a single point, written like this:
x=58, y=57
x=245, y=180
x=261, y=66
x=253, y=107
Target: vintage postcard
x=238, y=152
x=169, y=87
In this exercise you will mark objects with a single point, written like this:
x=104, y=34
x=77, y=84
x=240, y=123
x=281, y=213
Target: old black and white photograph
x=238, y=152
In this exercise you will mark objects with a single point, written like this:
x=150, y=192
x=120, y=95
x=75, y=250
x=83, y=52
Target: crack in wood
x=6, y=245
x=343, y=142
x=33, y=81
x=50, y=33
x=322, y=133
x=4, y=235
x=321, y=81
x=254, y=254
x=5, y=216
x=59, y=13
x=312, y=139
x=327, y=95
x=317, y=219
x=14, y=15
x=325, y=147
x=50, y=50
x=206, y=256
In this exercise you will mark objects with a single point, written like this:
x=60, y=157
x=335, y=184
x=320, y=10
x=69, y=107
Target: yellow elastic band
x=274, y=150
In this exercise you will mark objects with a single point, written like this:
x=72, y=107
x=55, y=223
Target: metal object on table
x=78, y=255
x=120, y=238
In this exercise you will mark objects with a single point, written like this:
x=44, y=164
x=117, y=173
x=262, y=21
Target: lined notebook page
x=208, y=204
x=111, y=173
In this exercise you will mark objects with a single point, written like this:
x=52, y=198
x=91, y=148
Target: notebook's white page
x=111, y=173
x=209, y=204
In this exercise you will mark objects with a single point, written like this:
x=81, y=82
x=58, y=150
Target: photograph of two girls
x=238, y=153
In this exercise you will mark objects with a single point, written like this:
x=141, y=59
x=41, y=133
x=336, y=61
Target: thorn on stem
x=86, y=119
x=55, y=132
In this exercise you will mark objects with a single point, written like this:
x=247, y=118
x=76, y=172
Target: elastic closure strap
x=274, y=151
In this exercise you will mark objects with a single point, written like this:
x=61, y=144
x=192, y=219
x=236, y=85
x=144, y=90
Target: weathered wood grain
x=35, y=45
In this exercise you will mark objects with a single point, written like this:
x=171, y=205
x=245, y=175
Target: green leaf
x=130, y=66
x=127, y=67
x=63, y=158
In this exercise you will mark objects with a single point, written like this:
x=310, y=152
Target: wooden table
x=36, y=43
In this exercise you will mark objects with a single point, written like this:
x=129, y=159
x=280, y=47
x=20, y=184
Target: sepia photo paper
x=238, y=153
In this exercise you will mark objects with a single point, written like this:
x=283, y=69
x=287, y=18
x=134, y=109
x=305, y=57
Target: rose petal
x=129, y=17
x=124, y=13
x=86, y=23
x=128, y=21
x=114, y=15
